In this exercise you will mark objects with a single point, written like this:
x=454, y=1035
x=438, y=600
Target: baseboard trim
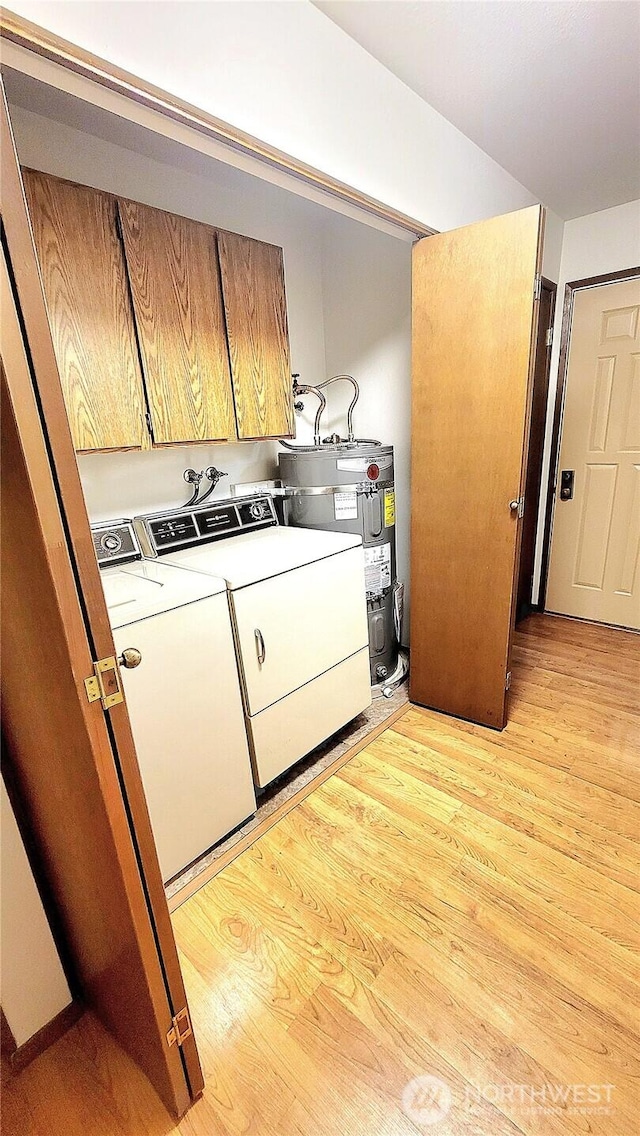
x=245, y=842
x=50, y=1033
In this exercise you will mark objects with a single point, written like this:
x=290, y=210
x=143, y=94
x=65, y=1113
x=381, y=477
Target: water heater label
x=377, y=569
x=361, y=465
x=345, y=506
x=389, y=508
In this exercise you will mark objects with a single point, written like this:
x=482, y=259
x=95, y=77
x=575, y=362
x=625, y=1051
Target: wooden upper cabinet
x=85, y=286
x=175, y=288
x=256, y=312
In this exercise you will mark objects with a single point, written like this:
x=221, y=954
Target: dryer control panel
x=182, y=528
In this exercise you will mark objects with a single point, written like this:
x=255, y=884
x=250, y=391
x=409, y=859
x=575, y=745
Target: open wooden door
x=474, y=326
x=72, y=761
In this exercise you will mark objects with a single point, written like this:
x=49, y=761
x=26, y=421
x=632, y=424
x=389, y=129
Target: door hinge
x=537, y=287
x=104, y=684
x=119, y=233
x=180, y=1028
x=507, y=681
x=549, y=336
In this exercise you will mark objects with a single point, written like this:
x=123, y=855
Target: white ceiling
x=551, y=91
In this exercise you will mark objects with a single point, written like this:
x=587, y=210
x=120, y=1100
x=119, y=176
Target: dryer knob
x=257, y=510
x=110, y=542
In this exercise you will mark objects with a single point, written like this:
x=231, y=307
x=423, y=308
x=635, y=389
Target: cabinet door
x=304, y=621
x=256, y=311
x=85, y=286
x=175, y=286
x=474, y=323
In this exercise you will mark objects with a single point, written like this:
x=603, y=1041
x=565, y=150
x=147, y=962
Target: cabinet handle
x=260, y=647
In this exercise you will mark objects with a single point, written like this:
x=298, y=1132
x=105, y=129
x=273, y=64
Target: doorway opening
x=592, y=535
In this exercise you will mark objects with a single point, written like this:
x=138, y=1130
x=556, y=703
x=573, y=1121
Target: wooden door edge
x=63, y=468
x=281, y=811
x=571, y=287
x=535, y=316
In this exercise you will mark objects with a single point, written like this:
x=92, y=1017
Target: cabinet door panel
x=256, y=311
x=85, y=286
x=175, y=286
x=298, y=643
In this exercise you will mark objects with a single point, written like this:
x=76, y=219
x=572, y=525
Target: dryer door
x=293, y=627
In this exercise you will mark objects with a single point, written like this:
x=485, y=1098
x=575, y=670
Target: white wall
x=594, y=245
x=34, y=988
x=286, y=74
x=367, y=306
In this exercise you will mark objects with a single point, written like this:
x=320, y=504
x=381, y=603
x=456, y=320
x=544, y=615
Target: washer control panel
x=171, y=531
x=115, y=542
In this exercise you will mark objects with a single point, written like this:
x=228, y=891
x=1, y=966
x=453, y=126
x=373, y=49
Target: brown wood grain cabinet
x=177, y=302
x=256, y=312
x=85, y=285
x=166, y=331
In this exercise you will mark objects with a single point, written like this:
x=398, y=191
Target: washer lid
x=145, y=588
x=255, y=556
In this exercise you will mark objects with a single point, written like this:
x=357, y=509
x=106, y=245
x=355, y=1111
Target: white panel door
x=188, y=725
x=593, y=570
x=303, y=622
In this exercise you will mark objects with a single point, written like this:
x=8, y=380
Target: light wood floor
x=453, y=902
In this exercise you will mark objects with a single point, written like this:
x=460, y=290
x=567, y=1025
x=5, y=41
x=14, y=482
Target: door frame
x=570, y=290
x=525, y=608
x=44, y=429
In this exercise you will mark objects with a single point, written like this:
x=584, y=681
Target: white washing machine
x=183, y=698
x=298, y=602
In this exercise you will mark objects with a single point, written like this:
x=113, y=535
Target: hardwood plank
x=449, y=902
x=256, y=311
x=616, y=813
x=175, y=288
x=264, y=970
x=474, y=1047
x=281, y=811
x=85, y=286
x=527, y=808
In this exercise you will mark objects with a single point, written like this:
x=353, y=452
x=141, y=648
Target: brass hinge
x=537, y=287
x=180, y=1029
x=507, y=682
x=549, y=336
x=104, y=683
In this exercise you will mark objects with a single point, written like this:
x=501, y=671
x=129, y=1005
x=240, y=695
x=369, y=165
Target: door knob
x=131, y=657
x=513, y=505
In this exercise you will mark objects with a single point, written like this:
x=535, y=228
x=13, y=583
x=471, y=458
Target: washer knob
x=257, y=510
